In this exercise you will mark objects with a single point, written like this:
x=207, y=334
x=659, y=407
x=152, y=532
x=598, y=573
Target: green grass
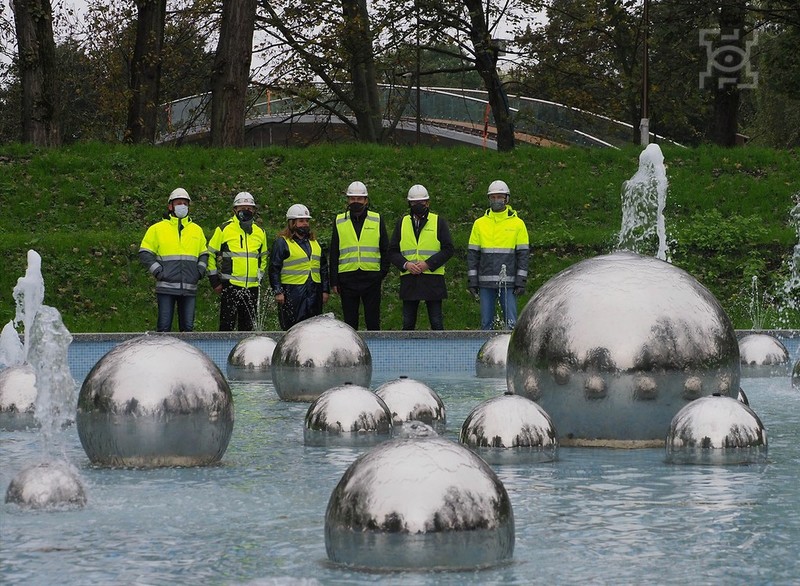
x=84, y=208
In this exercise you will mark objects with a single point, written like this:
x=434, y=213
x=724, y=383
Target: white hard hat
x=179, y=193
x=298, y=211
x=243, y=198
x=498, y=186
x=357, y=189
x=417, y=193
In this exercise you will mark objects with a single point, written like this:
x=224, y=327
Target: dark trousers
x=353, y=295
x=238, y=306
x=166, y=310
x=411, y=308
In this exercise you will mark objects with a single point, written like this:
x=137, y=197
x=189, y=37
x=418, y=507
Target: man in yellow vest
x=237, y=261
x=497, y=258
x=174, y=252
x=419, y=247
x=359, y=258
x=298, y=271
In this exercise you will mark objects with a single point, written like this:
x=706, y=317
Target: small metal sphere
x=508, y=429
x=491, y=359
x=613, y=346
x=419, y=504
x=251, y=359
x=17, y=398
x=413, y=430
x=716, y=430
x=155, y=401
x=47, y=485
x=347, y=415
x=763, y=355
x=412, y=400
x=317, y=354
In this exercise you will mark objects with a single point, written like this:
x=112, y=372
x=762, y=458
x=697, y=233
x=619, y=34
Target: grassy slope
x=85, y=209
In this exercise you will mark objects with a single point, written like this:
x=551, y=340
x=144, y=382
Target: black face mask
x=244, y=215
x=356, y=208
x=419, y=209
x=302, y=231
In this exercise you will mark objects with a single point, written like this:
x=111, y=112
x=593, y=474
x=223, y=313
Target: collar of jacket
x=509, y=212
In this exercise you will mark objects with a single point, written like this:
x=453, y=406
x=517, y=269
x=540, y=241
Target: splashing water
x=644, y=197
x=756, y=308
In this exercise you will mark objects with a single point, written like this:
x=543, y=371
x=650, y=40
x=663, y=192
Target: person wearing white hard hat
x=174, y=251
x=359, y=259
x=298, y=269
x=497, y=258
x=237, y=261
x=420, y=246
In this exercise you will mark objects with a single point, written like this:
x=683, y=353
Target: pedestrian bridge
x=445, y=116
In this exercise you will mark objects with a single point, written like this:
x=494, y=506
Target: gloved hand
x=519, y=291
x=473, y=291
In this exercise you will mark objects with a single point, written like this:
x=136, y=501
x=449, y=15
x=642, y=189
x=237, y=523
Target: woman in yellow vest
x=420, y=246
x=298, y=271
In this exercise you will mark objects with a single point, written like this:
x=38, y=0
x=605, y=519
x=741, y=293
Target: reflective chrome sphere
x=17, y=398
x=347, y=415
x=419, y=504
x=491, y=359
x=318, y=354
x=412, y=400
x=155, y=401
x=47, y=485
x=716, y=430
x=413, y=430
x=510, y=428
x=251, y=359
x=763, y=355
x=613, y=346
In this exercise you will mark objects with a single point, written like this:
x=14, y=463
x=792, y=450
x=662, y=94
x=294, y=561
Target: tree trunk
x=725, y=122
x=37, y=65
x=231, y=73
x=486, y=53
x=145, y=79
x=357, y=42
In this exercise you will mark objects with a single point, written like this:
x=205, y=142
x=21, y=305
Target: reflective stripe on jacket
x=298, y=266
x=428, y=244
x=177, y=258
x=359, y=252
x=498, y=251
x=236, y=256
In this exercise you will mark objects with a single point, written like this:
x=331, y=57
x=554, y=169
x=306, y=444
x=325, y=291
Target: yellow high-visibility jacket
x=235, y=256
x=498, y=240
x=175, y=254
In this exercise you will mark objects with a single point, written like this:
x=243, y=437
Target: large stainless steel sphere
x=412, y=400
x=348, y=415
x=155, y=401
x=46, y=485
x=17, y=398
x=763, y=355
x=316, y=355
x=491, y=359
x=419, y=504
x=251, y=359
x=613, y=346
x=716, y=430
x=510, y=429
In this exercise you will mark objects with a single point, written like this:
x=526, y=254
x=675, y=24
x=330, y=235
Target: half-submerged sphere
x=17, y=398
x=613, y=346
x=419, y=504
x=412, y=400
x=155, y=401
x=716, y=430
x=347, y=415
x=47, y=485
x=763, y=355
x=251, y=359
x=510, y=428
x=318, y=354
x=491, y=359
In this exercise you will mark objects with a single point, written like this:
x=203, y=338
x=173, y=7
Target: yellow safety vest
x=359, y=252
x=297, y=267
x=428, y=244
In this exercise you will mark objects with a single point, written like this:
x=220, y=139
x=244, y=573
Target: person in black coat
x=419, y=247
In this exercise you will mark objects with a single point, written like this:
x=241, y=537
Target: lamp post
x=644, y=126
x=419, y=101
